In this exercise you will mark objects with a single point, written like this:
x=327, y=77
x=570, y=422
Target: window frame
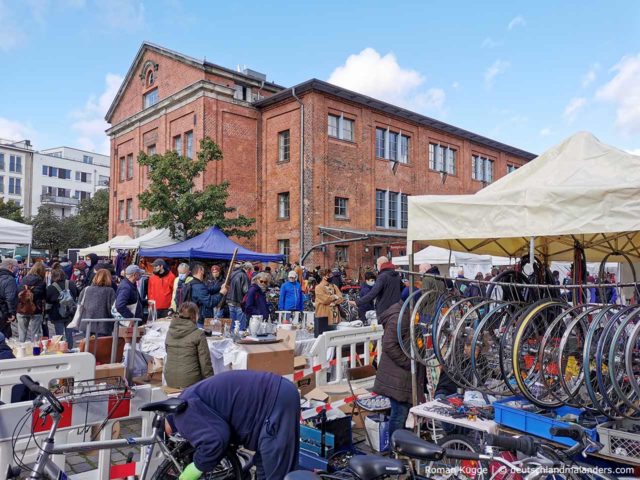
x=130, y=166
x=1, y=183
x=284, y=207
x=340, y=127
x=487, y=164
x=380, y=143
x=441, y=153
x=341, y=204
x=284, y=248
x=344, y=256
x=392, y=210
x=177, y=141
x=284, y=146
x=188, y=144
x=2, y=165
x=121, y=211
x=122, y=169
x=153, y=93
x=129, y=209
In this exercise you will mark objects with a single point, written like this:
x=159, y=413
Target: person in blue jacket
x=257, y=410
x=369, y=282
x=291, y=294
x=207, y=297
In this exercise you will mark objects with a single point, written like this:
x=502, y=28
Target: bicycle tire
x=461, y=442
x=633, y=368
x=183, y=453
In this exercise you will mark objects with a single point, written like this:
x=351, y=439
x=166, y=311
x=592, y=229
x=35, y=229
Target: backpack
x=186, y=292
x=26, y=305
x=243, y=303
x=67, y=305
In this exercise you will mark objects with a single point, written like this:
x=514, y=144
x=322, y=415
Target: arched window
x=150, y=78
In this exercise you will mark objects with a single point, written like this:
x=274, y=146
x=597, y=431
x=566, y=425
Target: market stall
x=13, y=234
x=104, y=249
x=153, y=239
x=537, y=357
x=212, y=244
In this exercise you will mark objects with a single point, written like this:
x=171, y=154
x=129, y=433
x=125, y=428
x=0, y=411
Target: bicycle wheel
x=422, y=350
x=526, y=356
x=450, y=468
x=229, y=467
x=632, y=359
x=507, y=333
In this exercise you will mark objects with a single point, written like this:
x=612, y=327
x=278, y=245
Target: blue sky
x=525, y=73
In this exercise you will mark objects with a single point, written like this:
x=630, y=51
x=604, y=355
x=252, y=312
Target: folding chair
x=363, y=377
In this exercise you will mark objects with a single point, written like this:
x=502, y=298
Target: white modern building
x=63, y=177
x=16, y=161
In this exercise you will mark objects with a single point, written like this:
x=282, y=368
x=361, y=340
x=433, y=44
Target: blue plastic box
x=534, y=423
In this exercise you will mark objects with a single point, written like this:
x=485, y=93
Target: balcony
x=55, y=200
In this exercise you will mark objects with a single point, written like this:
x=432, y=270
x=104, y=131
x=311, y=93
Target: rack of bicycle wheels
x=536, y=347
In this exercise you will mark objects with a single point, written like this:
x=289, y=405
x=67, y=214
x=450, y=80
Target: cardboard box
x=273, y=357
x=110, y=370
x=378, y=429
x=332, y=393
x=299, y=362
x=306, y=384
x=288, y=337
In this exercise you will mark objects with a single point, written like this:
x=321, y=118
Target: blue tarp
x=211, y=245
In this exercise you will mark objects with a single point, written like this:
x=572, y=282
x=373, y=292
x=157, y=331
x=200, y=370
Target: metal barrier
x=81, y=366
x=331, y=343
x=303, y=319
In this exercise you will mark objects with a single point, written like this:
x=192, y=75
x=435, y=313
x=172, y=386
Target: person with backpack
x=179, y=286
x=32, y=293
x=62, y=296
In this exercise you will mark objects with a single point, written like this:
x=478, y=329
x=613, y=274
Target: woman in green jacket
x=188, y=357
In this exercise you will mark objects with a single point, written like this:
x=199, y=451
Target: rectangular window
x=129, y=208
x=511, y=168
x=404, y=211
x=15, y=163
x=377, y=252
x=121, y=210
x=381, y=208
x=380, y=133
x=63, y=192
x=347, y=129
x=283, y=205
x=130, y=166
x=122, y=169
x=150, y=98
x=283, y=146
x=442, y=158
x=1, y=184
x=177, y=144
x=481, y=169
x=393, y=146
x=334, y=120
x=342, y=254
x=15, y=186
x=188, y=139
x=1, y=161
x=404, y=149
x=284, y=247
x=340, y=209
x=87, y=159
x=151, y=149
x=393, y=210
x=81, y=195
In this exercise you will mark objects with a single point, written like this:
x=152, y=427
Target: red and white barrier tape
x=298, y=375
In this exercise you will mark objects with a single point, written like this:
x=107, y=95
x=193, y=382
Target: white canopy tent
x=444, y=258
x=104, y=249
x=153, y=239
x=578, y=191
x=15, y=233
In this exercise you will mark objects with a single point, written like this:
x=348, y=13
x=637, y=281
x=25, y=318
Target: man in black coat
x=386, y=291
x=8, y=296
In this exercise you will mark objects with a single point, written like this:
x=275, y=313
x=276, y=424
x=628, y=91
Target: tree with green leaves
x=90, y=226
x=173, y=201
x=48, y=232
x=11, y=211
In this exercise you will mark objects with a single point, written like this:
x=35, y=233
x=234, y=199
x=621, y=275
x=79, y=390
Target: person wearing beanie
x=160, y=288
x=92, y=264
x=387, y=289
x=291, y=294
x=8, y=296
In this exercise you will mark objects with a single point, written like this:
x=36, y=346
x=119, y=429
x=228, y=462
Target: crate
x=536, y=424
x=337, y=438
x=619, y=444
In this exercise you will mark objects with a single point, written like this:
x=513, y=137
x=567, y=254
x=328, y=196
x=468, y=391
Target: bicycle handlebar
x=36, y=388
x=523, y=444
x=461, y=454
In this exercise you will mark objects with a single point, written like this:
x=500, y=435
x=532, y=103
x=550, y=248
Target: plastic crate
x=536, y=424
x=619, y=444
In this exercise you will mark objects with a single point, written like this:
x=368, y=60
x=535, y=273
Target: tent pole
x=532, y=250
x=28, y=255
x=414, y=368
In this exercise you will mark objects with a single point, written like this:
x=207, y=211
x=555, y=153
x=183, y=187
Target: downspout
x=293, y=93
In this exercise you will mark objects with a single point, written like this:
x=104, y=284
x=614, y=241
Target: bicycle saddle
x=406, y=443
x=170, y=405
x=369, y=467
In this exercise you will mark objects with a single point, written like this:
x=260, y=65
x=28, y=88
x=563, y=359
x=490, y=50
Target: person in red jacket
x=160, y=289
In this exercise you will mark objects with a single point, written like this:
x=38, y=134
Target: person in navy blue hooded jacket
x=257, y=410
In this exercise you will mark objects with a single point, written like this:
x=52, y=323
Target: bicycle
x=176, y=451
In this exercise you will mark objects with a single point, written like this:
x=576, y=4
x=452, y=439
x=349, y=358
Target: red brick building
x=352, y=159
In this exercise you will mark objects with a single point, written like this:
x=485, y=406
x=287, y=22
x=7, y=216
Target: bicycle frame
x=46, y=468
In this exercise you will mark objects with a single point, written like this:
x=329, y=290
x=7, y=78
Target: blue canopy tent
x=211, y=245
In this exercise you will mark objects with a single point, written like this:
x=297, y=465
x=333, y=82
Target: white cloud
x=634, y=152
x=122, y=14
x=90, y=124
x=623, y=90
x=12, y=130
x=516, y=22
x=545, y=132
x=590, y=76
x=573, y=107
x=490, y=43
x=497, y=68
x=383, y=78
